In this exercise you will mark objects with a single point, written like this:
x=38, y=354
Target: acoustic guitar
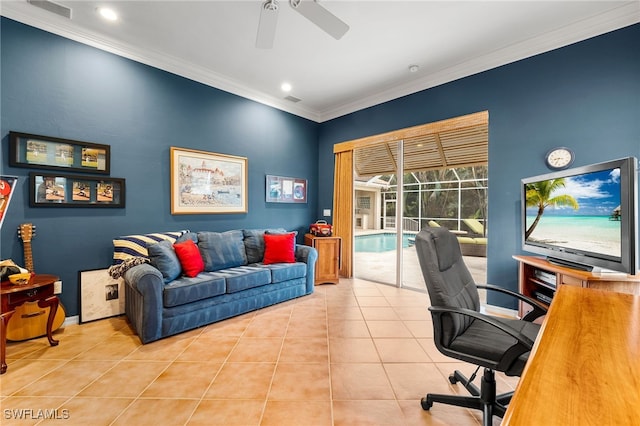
x=30, y=321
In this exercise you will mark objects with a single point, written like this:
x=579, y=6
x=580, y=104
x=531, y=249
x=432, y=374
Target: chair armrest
x=523, y=343
x=538, y=308
x=521, y=338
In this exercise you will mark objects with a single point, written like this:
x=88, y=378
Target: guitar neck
x=28, y=256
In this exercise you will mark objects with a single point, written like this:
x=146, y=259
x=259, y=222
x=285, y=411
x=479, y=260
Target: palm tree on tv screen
x=538, y=195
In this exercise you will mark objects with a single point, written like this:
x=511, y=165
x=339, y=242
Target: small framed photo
x=282, y=189
x=46, y=152
x=205, y=182
x=100, y=295
x=60, y=190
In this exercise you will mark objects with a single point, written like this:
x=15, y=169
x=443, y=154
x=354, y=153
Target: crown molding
x=616, y=18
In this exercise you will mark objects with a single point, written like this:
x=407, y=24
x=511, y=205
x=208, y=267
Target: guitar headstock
x=26, y=231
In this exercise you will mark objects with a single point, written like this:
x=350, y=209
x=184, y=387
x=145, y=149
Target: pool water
x=378, y=243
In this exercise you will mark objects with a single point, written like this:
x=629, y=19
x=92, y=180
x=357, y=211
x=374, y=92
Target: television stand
x=538, y=278
x=569, y=264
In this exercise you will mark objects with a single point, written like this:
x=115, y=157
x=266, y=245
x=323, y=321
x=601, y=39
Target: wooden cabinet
x=539, y=279
x=328, y=264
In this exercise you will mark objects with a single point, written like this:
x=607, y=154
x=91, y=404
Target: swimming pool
x=377, y=243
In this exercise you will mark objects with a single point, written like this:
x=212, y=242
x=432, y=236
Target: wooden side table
x=328, y=264
x=40, y=288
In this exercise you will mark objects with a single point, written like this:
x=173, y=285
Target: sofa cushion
x=221, y=250
x=279, y=248
x=191, y=289
x=244, y=277
x=136, y=245
x=254, y=242
x=163, y=257
x=189, y=256
x=287, y=271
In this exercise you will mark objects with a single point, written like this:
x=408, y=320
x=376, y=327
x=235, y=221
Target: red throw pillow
x=279, y=248
x=189, y=257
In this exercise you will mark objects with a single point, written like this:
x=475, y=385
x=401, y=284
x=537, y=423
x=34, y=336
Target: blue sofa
x=160, y=302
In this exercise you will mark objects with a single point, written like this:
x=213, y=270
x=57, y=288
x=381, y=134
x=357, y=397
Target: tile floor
x=356, y=353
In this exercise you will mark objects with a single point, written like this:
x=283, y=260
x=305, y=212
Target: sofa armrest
x=308, y=255
x=143, y=301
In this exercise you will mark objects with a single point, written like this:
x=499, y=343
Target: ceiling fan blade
x=267, y=25
x=320, y=16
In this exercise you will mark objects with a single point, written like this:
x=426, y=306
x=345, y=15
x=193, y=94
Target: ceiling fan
x=310, y=9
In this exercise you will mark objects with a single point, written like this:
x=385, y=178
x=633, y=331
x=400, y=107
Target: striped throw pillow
x=130, y=246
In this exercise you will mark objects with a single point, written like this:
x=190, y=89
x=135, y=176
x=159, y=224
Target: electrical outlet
x=326, y=212
x=57, y=287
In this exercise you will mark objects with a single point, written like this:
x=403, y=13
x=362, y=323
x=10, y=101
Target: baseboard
x=71, y=320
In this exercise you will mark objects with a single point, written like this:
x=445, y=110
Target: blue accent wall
x=56, y=87
x=585, y=96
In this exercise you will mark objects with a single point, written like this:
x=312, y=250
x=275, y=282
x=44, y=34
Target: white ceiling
x=213, y=42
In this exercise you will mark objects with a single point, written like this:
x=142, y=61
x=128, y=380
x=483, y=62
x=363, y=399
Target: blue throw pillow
x=164, y=258
x=221, y=250
x=254, y=242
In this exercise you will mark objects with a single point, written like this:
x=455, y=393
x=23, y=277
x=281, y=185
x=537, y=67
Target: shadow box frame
x=207, y=182
x=51, y=153
x=282, y=189
x=101, y=296
x=62, y=190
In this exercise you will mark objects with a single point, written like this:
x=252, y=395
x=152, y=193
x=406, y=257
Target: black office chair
x=461, y=331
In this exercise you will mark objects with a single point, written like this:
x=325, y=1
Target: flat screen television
x=585, y=217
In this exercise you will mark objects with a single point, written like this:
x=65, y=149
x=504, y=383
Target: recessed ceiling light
x=286, y=87
x=108, y=14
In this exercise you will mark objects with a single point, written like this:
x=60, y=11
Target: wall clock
x=559, y=158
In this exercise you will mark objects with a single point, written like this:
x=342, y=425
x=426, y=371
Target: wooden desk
x=584, y=368
x=39, y=289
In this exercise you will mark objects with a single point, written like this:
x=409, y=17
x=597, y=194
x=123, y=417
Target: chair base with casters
x=483, y=398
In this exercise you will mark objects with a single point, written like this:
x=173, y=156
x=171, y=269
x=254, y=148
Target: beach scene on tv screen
x=578, y=212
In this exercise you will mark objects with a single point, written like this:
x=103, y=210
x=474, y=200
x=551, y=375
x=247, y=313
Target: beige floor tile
x=230, y=327
x=400, y=350
x=268, y=326
x=22, y=372
x=256, y=349
x=305, y=349
x=372, y=301
x=90, y=411
x=344, y=312
x=308, y=328
x=297, y=413
x=434, y=354
x=348, y=328
x=413, y=313
x=352, y=350
x=360, y=382
x=225, y=412
x=67, y=380
x=153, y=412
x=438, y=415
x=415, y=380
x=23, y=411
x=163, y=350
x=242, y=381
x=373, y=412
x=137, y=375
x=209, y=348
x=388, y=329
x=378, y=313
x=183, y=380
x=420, y=329
x=115, y=348
x=301, y=382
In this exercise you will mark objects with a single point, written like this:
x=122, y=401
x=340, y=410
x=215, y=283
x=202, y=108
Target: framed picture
x=282, y=189
x=100, y=295
x=60, y=190
x=205, y=182
x=7, y=185
x=45, y=152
